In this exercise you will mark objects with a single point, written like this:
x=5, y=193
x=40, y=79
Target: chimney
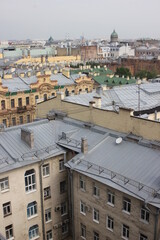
x=27, y=136
x=84, y=145
x=97, y=101
x=99, y=90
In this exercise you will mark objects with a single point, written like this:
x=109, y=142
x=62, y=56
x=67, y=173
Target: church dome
x=114, y=36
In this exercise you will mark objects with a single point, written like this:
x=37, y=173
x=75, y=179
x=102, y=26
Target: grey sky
x=38, y=19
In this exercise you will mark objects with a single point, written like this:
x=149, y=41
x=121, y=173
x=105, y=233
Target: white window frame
x=110, y=223
x=34, y=232
x=82, y=183
x=142, y=237
x=95, y=215
x=64, y=208
x=48, y=215
x=83, y=231
x=7, y=209
x=126, y=205
x=111, y=198
x=96, y=236
x=96, y=190
x=32, y=209
x=49, y=235
x=61, y=165
x=47, y=192
x=82, y=208
x=145, y=213
x=4, y=184
x=30, y=181
x=9, y=232
x=64, y=228
x=126, y=235
x=46, y=170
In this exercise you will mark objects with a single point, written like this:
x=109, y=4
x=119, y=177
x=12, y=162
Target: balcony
x=21, y=109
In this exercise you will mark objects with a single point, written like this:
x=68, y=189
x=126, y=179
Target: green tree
x=123, y=72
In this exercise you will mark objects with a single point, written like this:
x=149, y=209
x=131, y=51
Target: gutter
x=41, y=197
x=156, y=224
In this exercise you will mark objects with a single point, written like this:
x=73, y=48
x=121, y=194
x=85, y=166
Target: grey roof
x=62, y=80
x=15, y=84
x=125, y=96
x=129, y=167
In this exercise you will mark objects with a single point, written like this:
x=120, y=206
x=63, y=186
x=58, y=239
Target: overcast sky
x=39, y=19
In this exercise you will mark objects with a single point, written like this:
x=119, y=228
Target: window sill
x=110, y=204
x=11, y=238
x=4, y=191
x=7, y=215
x=49, y=221
x=62, y=215
x=110, y=229
x=34, y=238
x=83, y=213
x=96, y=196
x=95, y=221
x=128, y=213
x=29, y=218
x=32, y=191
x=46, y=176
x=83, y=238
x=83, y=190
x=125, y=238
x=47, y=197
x=144, y=221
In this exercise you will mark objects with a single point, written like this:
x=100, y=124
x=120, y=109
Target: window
x=125, y=232
x=33, y=232
x=144, y=214
x=3, y=106
x=32, y=209
x=143, y=237
x=53, y=94
x=36, y=98
x=127, y=205
x=82, y=208
x=46, y=170
x=96, y=236
x=64, y=228
x=61, y=165
x=19, y=102
x=63, y=208
x=62, y=187
x=95, y=215
x=82, y=184
x=27, y=100
x=9, y=231
x=47, y=193
x=83, y=231
x=12, y=103
x=110, y=223
x=5, y=122
x=13, y=121
x=48, y=215
x=7, y=209
x=111, y=198
x=49, y=235
x=45, y=97
x=4, y=184
x=28, y=118
x=30, y=180
x=95, y=191
x=21, y=119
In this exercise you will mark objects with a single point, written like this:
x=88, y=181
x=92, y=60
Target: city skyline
x=36, y=19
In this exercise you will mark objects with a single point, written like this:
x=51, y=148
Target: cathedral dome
x=114, y=36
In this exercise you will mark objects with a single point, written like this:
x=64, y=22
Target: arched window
x=45, y=97
x=30, y=180
x=33, y=232
x=3, y=104
x=32, y=209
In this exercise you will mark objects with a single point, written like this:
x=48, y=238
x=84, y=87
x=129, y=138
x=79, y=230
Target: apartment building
x=19, y=95
x=115, y=193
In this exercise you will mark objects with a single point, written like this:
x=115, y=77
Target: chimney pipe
x=27, y=136
x=84, y=145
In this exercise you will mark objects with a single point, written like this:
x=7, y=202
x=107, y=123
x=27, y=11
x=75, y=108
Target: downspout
x=41, y=196
x=156, y=224
x=72, y=202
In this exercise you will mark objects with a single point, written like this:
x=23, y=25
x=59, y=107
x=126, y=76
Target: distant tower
x=114, y=37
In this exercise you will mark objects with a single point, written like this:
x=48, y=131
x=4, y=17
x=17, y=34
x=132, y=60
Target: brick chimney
x=27, y=136
x=84, y=145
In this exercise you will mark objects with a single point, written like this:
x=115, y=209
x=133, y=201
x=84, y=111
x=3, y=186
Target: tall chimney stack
x=84, y=145
x=27, y=136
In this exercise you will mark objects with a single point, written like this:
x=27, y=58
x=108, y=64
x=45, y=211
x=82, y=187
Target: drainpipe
x=72, y=203
x=41, y=196
x=156, y=224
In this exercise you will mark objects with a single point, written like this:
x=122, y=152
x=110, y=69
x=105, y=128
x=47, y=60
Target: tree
x=123, y=72
x=145, y=74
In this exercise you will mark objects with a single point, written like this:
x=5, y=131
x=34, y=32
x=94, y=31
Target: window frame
x=61, y=165
x=82, y=208
x=64, y=208
x=12, y=103
x=82, y=183
x=96, y=190
x=31, y=181
x=3, y=182
x=110, y=198
x=62, y=185
x=83, y=231
x=32, y=209
x=46, y=172
x=126, y=228
x=48, y=190
x=142, y=237
x=96, y=235
x=48, y=233
x=48, y=215
x=64, y=227
x=33, y=230
x=95, y=215
x=126, y=205
x=110, y=223
x=7, y=209
x=146, y=215
x=9, y=232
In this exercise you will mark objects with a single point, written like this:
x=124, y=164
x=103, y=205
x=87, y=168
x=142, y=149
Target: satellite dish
x=119, y=140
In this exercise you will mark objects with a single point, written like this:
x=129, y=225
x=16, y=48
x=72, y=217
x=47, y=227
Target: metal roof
x=123, y=96
x=62, y=80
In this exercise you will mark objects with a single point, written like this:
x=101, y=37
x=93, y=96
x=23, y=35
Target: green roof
x=115, y=81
